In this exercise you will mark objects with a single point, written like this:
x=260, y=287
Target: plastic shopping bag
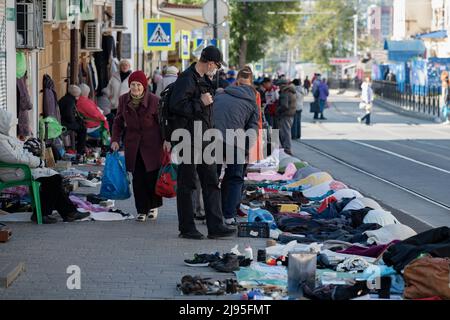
x=115, y=182
x=166, y=186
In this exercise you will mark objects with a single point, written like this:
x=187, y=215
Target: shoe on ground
x=323, y=118
x=229, y=263
x=231, y=222
x=141, y=217
x=222, y=232
x=45, y=219
x=193, y=235
x=76, y=216
x=202, y=260
x=153, y=214
x=200, y=217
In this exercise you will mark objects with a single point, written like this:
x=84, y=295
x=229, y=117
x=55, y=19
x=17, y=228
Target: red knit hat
x=140, y=77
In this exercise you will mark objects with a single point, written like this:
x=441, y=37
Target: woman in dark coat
x=138, y=113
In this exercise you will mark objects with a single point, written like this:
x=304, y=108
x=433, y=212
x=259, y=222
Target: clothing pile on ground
x=334, y=243
x=16, y=201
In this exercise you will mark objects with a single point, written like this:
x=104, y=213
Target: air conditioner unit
x=93, y=35
x=48, y=10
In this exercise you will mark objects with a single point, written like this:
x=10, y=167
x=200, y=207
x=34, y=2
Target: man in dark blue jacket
x=235, y=109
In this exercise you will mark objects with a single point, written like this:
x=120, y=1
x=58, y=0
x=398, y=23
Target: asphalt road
x=400, y=161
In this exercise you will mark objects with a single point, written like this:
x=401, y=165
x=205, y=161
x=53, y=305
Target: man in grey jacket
x=287, y=107
x=235, y=109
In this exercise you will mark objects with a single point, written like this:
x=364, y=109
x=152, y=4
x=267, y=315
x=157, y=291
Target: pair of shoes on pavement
x=230, y=262
x=202, y=260
x=221, y=232
x=152, y=215
x=201, y=286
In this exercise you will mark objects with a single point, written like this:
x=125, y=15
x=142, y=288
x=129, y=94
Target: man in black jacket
x=71, y=119
x=191, y=102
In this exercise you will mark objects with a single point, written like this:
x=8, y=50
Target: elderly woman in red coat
x=137, y=117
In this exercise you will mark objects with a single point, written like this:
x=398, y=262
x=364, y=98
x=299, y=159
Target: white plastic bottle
x=249, y=253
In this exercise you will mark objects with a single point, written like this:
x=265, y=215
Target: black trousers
x=144, y=184
x=53, y=197
x=211, y=196
x=81, y=140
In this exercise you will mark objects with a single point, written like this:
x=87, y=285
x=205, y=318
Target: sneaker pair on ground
x=71, y=217
x=152, y=215
x=219, y=233
x=228, y=263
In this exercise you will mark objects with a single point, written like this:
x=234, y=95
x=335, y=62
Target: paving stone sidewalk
x=118, y=260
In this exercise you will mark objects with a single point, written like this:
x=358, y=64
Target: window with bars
x=3, y=81
x=29, y=24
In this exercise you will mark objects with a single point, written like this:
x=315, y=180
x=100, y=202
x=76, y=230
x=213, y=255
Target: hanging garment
x=50, y=105
x=24, y=105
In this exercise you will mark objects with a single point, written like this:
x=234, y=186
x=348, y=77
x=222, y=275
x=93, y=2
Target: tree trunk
x=244, y=43
x=243, y=53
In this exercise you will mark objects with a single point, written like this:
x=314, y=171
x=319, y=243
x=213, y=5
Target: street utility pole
x=215, y=20
x=355, y=45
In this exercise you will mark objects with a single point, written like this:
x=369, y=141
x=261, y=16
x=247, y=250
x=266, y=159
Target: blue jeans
x=232, y=184
x=297, y=126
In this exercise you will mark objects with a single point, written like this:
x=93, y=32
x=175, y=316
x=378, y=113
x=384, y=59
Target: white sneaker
x=230, y=222
x=359, y=119
x=153, y=215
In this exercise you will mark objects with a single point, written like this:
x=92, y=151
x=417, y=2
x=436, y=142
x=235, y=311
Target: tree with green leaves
x=252, y=26
x=329, y=32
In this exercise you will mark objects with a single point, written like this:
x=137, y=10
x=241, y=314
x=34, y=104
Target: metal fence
x=344, y=84
x=421, y=100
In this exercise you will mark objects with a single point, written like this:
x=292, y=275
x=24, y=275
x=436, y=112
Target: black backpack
x=165, y=117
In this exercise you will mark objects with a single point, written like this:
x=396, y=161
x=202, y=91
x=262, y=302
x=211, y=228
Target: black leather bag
x=314, y=107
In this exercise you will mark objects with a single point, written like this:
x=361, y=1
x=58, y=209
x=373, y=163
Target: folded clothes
x=374, y=251
x=273, y=175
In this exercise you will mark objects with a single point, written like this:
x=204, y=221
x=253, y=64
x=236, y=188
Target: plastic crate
x=253, y=230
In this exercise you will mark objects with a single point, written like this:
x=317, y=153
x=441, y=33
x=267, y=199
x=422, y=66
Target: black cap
x=213, y=54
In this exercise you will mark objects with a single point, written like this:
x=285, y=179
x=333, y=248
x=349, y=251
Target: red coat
x=142, y=131
x=89, y=110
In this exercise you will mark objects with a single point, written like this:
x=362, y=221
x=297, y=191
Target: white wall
x=11, y=64
x=130, y=23
x=399, y=30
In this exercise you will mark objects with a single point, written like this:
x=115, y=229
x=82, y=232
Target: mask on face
x=213, y=72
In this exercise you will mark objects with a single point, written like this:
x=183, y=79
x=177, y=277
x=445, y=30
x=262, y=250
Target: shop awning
x=403, y=51
x=435, y=35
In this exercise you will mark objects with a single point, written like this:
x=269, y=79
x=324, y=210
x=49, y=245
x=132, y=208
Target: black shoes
x=229, y=263
x=193, y=235
x=75, y=216
x=202, y=260
x=221, y=232
x=45, y=219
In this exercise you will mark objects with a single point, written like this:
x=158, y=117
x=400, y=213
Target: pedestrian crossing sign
x=159, y=34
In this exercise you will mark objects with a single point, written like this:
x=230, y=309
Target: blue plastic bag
x=261, y=215
x=115, y=182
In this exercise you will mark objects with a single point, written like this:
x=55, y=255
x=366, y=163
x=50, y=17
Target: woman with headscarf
x=138, y=112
